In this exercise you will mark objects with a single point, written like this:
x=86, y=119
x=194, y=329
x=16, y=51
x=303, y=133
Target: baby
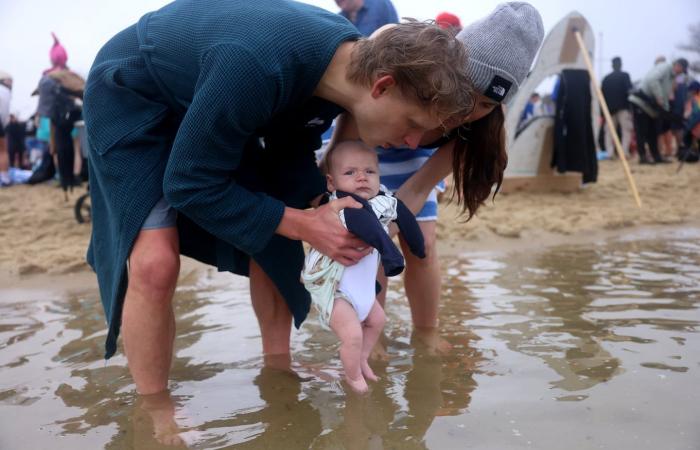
x=345, y=296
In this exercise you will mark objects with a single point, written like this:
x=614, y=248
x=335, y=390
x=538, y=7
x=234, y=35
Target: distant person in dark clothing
x=16, y=131
x=616, y=88
x=368, y=15
x=5, y=97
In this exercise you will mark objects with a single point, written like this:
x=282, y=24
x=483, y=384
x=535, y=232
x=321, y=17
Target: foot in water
x=367, y=372
x=161, y=409
x=358, y=385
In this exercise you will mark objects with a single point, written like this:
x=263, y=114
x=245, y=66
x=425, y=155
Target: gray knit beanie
x=501, y=48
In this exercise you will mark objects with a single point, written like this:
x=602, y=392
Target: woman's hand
x=322, y=229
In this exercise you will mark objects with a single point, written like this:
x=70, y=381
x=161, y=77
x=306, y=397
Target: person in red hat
x=447, y=20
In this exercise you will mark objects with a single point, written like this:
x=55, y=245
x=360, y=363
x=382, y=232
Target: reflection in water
x=563, y=305
x=531, y=336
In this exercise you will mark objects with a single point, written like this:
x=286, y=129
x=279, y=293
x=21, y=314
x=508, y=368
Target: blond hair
x=427, y=62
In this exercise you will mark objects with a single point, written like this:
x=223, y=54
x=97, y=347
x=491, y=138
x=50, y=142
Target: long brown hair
x=479, y=160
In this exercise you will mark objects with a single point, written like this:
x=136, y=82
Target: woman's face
x=482, y=107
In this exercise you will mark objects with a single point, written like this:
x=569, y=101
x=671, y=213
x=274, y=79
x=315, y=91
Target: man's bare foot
x=367, y=371
x=358, y=385
x=161, y=409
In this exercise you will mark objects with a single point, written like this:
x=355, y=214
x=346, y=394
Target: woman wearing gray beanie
x=501, y=48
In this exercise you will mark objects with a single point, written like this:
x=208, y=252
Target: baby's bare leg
x=347, y=327
x=371, y=330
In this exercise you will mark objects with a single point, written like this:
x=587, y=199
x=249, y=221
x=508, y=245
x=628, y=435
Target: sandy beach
x=571, y=321
x=40, y=235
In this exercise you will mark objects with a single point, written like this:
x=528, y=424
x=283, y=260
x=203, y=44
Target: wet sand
x=576, y=346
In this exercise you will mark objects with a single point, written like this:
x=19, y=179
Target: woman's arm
x=414, y=192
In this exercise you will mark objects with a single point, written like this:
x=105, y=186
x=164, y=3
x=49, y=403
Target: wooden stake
x=608, y=118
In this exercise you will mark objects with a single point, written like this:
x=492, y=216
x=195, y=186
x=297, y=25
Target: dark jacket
x=616, y=87
x=209, y=104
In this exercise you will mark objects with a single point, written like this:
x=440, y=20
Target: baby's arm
x=363, y=223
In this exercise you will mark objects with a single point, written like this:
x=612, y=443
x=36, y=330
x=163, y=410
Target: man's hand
x=322, y=229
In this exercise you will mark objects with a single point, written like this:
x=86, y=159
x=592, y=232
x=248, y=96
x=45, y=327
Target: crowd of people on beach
x=657, y=118
x=51, y=142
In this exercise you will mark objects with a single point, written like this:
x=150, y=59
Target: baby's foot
x=368, y=372
x=358, y=385
x=379, y=353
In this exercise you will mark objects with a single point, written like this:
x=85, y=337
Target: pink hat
x=58, y=54
x=447, y=20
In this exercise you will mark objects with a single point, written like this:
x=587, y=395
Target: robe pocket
x=117, y=114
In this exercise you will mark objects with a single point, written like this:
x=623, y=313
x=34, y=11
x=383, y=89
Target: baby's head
x=352, y=167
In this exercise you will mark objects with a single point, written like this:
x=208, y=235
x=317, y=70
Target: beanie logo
x=498, y=89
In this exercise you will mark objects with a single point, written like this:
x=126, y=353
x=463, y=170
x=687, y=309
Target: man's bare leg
x=148, y=321
x=273, y=315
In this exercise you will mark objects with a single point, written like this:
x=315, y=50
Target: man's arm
x=224, y=113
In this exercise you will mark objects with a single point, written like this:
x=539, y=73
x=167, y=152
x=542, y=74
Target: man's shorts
x=161, y=216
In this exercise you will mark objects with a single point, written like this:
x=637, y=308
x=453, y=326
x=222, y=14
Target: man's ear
x=381, y=85
x=329, y=183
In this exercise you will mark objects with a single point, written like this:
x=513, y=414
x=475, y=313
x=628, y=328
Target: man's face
x=386, y=118
x=354, y=169
x=349, y=6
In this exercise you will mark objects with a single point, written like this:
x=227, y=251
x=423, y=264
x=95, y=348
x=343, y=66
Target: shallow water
x=578, y=347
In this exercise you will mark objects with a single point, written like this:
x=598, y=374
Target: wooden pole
x=608, y=118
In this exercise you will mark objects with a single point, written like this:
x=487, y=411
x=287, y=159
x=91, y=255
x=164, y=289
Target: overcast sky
x=638, y=30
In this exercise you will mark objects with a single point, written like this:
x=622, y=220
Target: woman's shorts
x=397, y=165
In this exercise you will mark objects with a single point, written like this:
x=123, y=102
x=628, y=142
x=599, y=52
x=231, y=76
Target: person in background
x=691, y=114
x=5, y=98
x=650, y=104
x=447, y=20
x=16, y=131
x=46, y=90
x=368, y=15
x=677, y=104
x=616, y=88
x=530, y=109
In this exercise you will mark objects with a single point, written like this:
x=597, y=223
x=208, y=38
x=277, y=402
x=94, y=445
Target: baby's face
x=356, y=170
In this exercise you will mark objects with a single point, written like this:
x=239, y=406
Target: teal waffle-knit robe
x=210, y=104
